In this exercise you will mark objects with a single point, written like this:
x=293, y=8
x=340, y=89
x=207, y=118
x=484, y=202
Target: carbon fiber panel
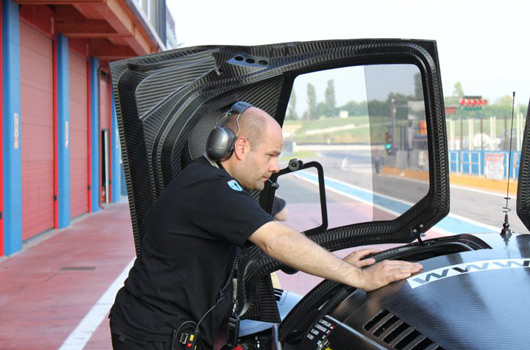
x=162, y=99
x=523, y=189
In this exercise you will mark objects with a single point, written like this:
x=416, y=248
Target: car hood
x=167, y=103
x=459, y=301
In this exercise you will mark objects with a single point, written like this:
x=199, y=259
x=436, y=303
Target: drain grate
x=77, y=268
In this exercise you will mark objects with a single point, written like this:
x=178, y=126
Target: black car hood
x=469, y=300
x=167, y=103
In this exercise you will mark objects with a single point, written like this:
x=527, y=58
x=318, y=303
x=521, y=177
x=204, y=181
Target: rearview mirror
x=303, y=189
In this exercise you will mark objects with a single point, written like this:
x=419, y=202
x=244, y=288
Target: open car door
x=390, y=124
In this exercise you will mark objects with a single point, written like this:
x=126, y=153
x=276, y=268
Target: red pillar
x=55, y=149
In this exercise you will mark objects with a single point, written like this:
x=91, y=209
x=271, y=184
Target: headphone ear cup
x=220, y=143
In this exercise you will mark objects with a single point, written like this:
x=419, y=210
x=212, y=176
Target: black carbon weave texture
x=523, y=186
x=162, y=97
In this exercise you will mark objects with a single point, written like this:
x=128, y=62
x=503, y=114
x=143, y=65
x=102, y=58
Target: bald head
x=253, y=124
x=256, y=149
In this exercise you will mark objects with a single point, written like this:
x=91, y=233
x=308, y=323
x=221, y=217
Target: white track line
x=88, y=325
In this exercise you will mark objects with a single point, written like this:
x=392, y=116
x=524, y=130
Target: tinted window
x=366, y=126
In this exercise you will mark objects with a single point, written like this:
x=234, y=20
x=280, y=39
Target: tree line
x=328, y=108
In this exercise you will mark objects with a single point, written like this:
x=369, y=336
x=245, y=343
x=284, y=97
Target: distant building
x=60, y=147
x=171, y=34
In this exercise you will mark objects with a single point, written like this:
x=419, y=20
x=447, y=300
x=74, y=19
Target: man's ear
x=241, y=148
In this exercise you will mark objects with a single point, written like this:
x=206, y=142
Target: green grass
x=298, y=155
x=362, y=133
x=327, y=123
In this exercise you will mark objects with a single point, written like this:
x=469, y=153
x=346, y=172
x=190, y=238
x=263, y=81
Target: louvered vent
x=398, y=334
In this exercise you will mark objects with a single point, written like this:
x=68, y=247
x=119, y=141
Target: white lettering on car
x=465, y=268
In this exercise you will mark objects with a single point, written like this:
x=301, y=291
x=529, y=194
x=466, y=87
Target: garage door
x=36, y=88
x=78, y=135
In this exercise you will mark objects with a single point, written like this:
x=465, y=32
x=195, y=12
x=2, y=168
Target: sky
x=484, y=45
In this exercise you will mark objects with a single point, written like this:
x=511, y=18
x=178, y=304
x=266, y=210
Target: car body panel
x=470, y=300
x=473, y=291
x=168, y=102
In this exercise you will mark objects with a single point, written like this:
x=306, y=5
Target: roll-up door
x=36, y=89
x=78, y=135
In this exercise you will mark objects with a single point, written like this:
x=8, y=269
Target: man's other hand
x=356, y=258
x=387, y=271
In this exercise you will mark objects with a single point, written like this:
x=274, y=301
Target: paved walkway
x=53, y=293
x=57, y=292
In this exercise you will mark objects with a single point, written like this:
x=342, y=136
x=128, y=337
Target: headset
x=221, y=141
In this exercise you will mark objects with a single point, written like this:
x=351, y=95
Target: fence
x=490, y=164
x=488, y=133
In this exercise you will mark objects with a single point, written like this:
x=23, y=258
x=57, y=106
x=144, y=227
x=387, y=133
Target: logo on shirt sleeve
x=233, y=184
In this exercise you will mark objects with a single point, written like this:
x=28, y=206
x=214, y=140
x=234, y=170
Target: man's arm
x=296, y=250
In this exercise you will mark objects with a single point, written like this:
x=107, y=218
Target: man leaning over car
x=177, y=289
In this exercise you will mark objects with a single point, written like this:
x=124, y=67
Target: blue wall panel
x=94, y=134
x=12, y=121
x=63, y=137
x=473, y=163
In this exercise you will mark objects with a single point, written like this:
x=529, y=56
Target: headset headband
x=239, y=107
x=221, y=141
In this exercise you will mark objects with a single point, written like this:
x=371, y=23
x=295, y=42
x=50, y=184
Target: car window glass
x=366, y=126
x=300, y=192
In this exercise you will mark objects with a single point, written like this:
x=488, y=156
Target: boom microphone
x=274, y=185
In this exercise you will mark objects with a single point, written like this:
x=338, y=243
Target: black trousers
x=122, y=342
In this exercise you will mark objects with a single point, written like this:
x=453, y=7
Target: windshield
x=366, y=126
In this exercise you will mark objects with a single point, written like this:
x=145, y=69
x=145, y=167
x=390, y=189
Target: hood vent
x=389, y=329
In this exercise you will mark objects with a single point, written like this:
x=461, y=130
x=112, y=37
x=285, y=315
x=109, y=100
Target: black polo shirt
x=187, y=254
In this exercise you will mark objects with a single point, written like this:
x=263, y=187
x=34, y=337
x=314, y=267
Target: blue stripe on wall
x=94, y=133
x=63, y=137
x=12, y=121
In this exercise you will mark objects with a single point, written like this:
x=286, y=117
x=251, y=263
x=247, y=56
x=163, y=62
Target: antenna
x=506, y=231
